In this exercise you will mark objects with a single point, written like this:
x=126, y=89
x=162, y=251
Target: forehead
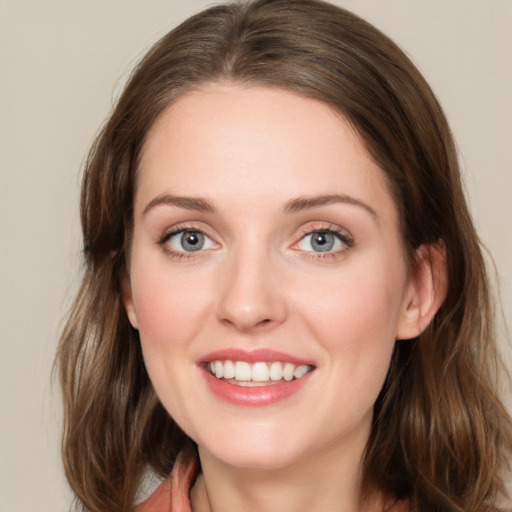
x=229, y=141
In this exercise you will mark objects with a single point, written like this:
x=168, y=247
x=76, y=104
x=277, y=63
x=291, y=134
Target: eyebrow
x=189, y=203
x=294, y=205
x=309, y=202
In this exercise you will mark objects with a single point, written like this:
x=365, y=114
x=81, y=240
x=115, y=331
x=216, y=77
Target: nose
x=251, y=298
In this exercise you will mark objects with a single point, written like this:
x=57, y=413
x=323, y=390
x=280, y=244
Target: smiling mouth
x=242, y=373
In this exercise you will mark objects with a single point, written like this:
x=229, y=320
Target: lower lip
x=254, y=396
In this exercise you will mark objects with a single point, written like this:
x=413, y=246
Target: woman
x=284, y=304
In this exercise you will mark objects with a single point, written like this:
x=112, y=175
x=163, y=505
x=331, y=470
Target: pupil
x=321, y=239
x=192, y=239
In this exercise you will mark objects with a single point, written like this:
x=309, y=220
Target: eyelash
x=345, y=238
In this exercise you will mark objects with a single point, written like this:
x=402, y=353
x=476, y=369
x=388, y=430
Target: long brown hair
x=440, y=434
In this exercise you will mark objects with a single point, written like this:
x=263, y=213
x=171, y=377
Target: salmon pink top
x=172, y=495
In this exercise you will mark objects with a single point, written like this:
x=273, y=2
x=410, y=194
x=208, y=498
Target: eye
x=324, y=241
x=320, y=241
x=188, y=241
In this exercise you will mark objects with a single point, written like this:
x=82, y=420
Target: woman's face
x=266, y=249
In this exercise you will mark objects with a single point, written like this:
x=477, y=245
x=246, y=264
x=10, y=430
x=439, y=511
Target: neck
x=330, y=480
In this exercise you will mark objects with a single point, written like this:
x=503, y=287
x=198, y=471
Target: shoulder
x=404, y=506
x=158, y=501
x=400, y=506
x=172, y=495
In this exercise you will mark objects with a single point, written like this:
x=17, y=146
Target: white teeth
x=245, y=372
x=229, y=370
x=260, y=372
x=289, y=368
x=242, y=370
x=219, y=369
x=300, y=371
x=276, y=371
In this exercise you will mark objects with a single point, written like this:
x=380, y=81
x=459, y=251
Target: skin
x=258, y=283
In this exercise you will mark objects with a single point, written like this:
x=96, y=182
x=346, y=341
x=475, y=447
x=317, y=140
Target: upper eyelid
x=315, y=227
x=184, y=227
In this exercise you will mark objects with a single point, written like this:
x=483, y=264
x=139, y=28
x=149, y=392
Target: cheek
x=168, y=306
x=170, y=310
x=355, y=317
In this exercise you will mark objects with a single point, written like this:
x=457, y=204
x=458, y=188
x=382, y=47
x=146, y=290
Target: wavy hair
x=440, y=435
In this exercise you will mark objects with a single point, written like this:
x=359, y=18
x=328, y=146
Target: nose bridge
x=249, y=293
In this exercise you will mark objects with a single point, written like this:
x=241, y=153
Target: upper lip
x=252, y=356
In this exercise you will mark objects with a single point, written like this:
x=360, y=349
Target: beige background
x=61, y=66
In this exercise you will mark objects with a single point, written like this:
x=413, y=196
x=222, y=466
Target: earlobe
x=427, y=290
x=126, y=297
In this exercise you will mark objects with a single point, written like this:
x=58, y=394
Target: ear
x=427, y=289
x=126, y=297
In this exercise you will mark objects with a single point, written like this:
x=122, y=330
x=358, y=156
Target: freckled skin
x=248, y=151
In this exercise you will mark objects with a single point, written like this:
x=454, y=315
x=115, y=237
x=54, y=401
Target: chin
x=254, y=450
x=258, y=459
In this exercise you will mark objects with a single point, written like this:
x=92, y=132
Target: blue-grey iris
x=192, y=241
x=322, y=242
